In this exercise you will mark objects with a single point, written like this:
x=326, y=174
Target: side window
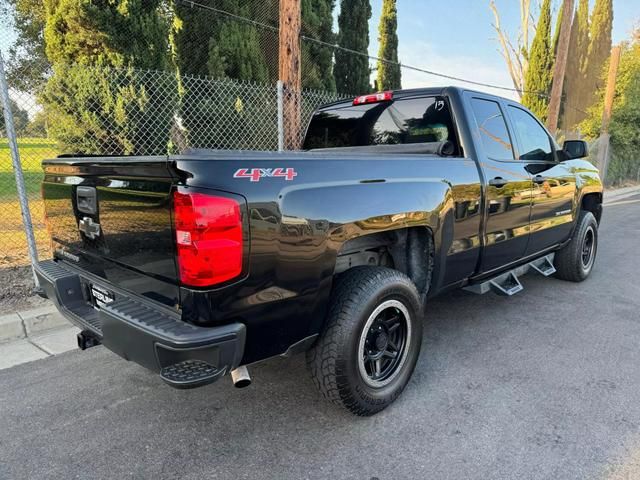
x=493, y=129
x=534, y=141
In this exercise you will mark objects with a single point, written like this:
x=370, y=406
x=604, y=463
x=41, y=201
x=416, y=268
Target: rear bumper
x=185, y=355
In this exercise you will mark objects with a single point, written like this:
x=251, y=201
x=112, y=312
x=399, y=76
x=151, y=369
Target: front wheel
x=575, y=261
x=371, y=343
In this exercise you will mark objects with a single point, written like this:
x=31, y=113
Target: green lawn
x=13, y=247
x=32, y=152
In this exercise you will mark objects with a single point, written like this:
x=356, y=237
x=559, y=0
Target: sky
x=456, y=37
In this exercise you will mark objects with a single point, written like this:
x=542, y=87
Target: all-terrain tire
x=340, y=362
x=576, y=259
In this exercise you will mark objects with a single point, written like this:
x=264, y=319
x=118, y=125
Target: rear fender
x=353, y=209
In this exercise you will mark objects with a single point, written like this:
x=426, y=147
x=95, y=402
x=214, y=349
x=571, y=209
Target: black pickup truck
x=197, y=265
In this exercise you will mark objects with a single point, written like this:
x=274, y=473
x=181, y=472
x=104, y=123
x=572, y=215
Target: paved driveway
x=542, y=385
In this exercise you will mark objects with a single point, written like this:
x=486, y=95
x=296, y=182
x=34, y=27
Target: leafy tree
x=20, y=118
x=317, y=60
x=98, y=99
x=599, y=48
x=27, y=65
x=389, y=74
x=539, y=75
x=574, y=80
x=351, y=70
x=625, y=117
x=37, y=127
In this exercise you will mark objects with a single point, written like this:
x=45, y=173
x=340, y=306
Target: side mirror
x=575, y=149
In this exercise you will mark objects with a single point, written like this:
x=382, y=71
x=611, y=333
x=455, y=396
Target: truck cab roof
x=422, y=91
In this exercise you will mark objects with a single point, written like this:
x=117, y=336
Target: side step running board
x=544, y=266
x=508, y=283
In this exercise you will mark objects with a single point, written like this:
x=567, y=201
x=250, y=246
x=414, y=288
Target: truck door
x=509, y=186
x=554, y=185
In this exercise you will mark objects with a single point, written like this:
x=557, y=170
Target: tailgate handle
x=87, y=200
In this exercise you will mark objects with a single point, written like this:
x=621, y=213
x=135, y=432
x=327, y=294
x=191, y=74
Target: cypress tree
x=599, y=48
x=317, y=22
x=389, y=74
x=556, y=34
x=576, y=63
x=351, y=71
x=209, y=44
x=97, y=99
x=219, y=47
x=235, y=53
x=192, y=30
x=539, y=75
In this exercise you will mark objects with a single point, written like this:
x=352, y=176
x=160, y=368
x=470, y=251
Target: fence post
x=280, y=87
x=17, y=169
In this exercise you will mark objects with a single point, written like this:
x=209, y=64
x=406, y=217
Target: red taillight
x=373, y=98
x=208, y=238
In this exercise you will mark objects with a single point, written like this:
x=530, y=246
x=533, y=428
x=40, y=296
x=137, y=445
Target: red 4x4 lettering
x=287, y=173
x=255, y=174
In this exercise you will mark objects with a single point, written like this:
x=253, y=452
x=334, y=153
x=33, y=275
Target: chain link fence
x=156, y=113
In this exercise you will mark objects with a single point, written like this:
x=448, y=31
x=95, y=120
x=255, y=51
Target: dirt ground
x=16, y=288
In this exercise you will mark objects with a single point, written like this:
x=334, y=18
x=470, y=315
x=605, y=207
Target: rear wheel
x=371, y=342
x=575, y=261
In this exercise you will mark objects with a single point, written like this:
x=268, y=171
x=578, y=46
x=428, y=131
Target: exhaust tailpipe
x=240, y=377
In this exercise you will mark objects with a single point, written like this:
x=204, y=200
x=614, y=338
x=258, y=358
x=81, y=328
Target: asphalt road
x=542, y=385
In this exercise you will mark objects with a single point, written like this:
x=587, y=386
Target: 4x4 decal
x=255, y=174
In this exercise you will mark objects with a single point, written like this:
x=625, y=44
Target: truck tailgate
x=111, y=217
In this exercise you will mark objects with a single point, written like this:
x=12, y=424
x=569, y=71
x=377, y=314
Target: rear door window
x=493, y=129
x=415, y=120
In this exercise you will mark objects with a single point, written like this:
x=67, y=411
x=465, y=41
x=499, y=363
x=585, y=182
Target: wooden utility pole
x=603, y=152
x=560, y=67
x=611, y=88
x=290, y=71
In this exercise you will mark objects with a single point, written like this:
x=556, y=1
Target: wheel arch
x=592, y=202
x=410, y=250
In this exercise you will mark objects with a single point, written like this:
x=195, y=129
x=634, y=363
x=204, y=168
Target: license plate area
x=100, y=296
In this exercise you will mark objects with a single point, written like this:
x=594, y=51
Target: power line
x=333, y=46
x=240, y=18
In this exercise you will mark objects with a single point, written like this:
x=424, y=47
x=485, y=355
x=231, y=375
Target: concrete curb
x=11, y=327
x=30, y=322
x=620, y=193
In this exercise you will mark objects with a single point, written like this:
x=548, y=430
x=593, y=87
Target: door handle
x=498, y=182
x=539, y=179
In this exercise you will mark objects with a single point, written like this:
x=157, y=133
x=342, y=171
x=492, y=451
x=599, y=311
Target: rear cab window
x=401, y=121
